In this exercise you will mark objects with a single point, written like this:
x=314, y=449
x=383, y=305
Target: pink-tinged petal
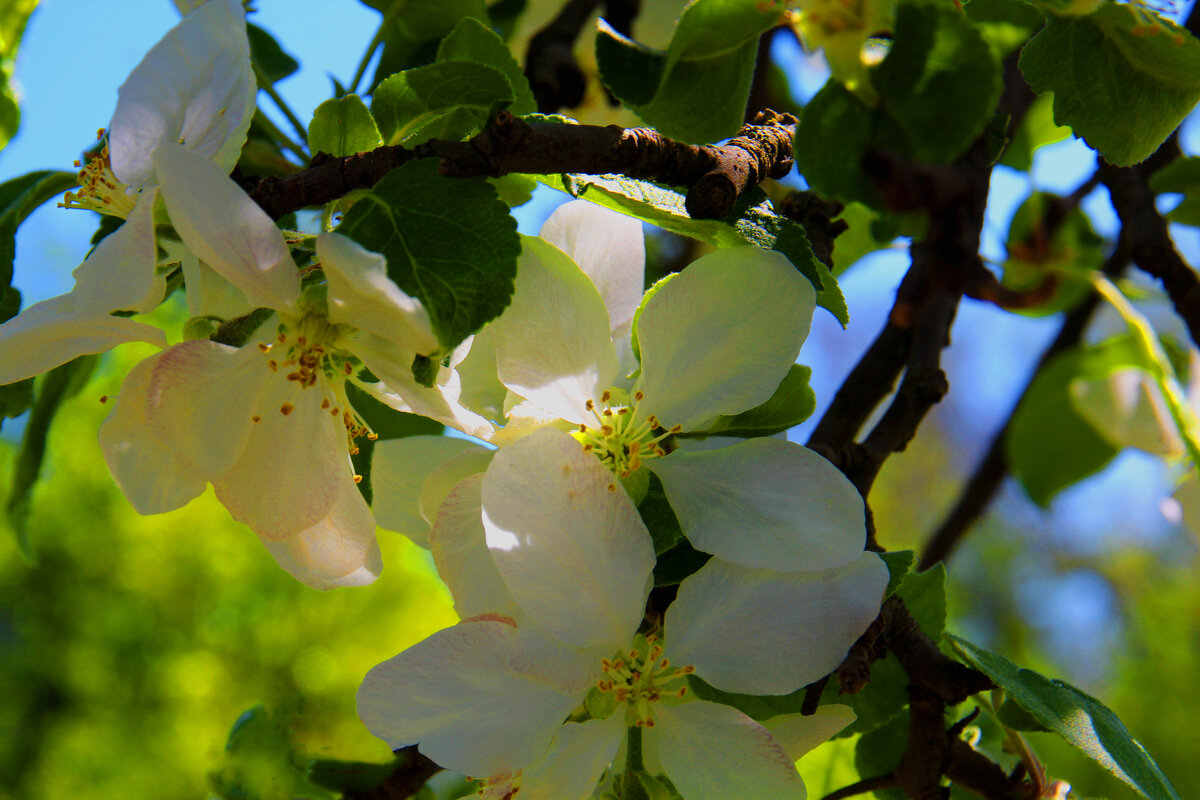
x=567, y=540
x=720, y=336
x=195, y=87
x=152, y=477
x=759, y=631
x=462, y=557
x=119, y=274
x=393, y=365
x=553, y=344
x=580, y=754
x=610, y=249
x=226, y=229
x=765, y=503
x=202, y=400
x=715, y=752
x=50, y=333
x=363, y=296
x=294, y=466
x=799, y=734
x=340, y=550
x=458, y=695
x=399, y=468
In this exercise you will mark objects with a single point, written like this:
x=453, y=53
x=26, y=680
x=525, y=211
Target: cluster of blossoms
x=560, y=681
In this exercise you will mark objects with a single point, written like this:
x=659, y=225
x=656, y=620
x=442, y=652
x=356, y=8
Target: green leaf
x=53, y=388
x=411, y=37
x=471, y=40
x=899, y=564
x=1080, y=719
x=753, y=220
x=939, y=81
x=858, y=239
x=15, y=398
x=18, y=198
x=259, y=762
x=451, y=243
x=1037, y=129
x=756, y=707
x=880, y=751
x=924, y=594
x=1123, y=77
x=387, y=423
x=792, y=403
x=1005, y=24
x=351, y=776
x=1181, y=175
x=831, y=140
x=446, y=100
x=677, y=563
x=697, y=90
x=1050, y=445
x=343, y=127
x=271, y=59
x=10, y=302
x=13, y=17
x=1043, y=244
x=659, y=517
x=1017, y=718
x=515, y=189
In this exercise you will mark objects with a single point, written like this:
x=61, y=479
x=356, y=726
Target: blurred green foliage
x=133, y=643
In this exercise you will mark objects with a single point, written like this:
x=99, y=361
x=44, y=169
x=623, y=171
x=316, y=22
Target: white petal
x=399, y=468
x=393, y=365
x=798, y=734
x=202, y=399
x=194, y=87
x=765, y=503
x=553, y=344
x=208, y=294
x=611, y=250
x=567, y=539
x=448, y=475
x=462, y=557
x=226, y=229
x=339, y=550
x=458, y=695
x=149, y=474
x=758, y=631
x=580, y=754
x=294, y=466
x=363, y=296
x=714, y=752
x=50, y=333
x=119, y=274
x=720, y=336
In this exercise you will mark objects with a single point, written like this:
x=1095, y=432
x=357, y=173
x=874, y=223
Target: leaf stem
x=267, y=86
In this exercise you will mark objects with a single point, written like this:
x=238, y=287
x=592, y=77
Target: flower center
x=100, y=190
x=620, y=442
x=314, y=354
x=640, y=677
x=500, y=787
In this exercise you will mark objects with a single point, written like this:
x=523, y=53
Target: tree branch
x=407, y=779
x=715, y=176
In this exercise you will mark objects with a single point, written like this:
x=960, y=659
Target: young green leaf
x=13, y=17
x=792, y=403
x=343, y=127
x=413, y=29
x=471, y=40
x=19, y=197
x=1123, y=77
x=1183, y=176
x=1049, y=241
x=446, y=100
x=275, y=63
x=1079, y=718
x=450, y=243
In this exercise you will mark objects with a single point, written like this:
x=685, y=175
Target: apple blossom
x=489, y=695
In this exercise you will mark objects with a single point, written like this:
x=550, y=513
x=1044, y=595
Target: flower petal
x=800, y=733
x=462, y=557
x=294, y=466
x=459, y=695
x=339, y=550
x=208, y=294
x=714, y=752
x=567, y=539
x=720, y=336
x=553, y=344
x=765, y=503
x=119, y=274
x=482, y=391
x=362, y=295
x=443, y=479
x=399, y=468
x=759, y=631
x=611, y=250
x=50, y=333
x=226, y=229
x=152, y=477
x=577, y=759
x=195, y=87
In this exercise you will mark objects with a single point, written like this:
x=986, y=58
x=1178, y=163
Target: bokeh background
x=129, y=645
